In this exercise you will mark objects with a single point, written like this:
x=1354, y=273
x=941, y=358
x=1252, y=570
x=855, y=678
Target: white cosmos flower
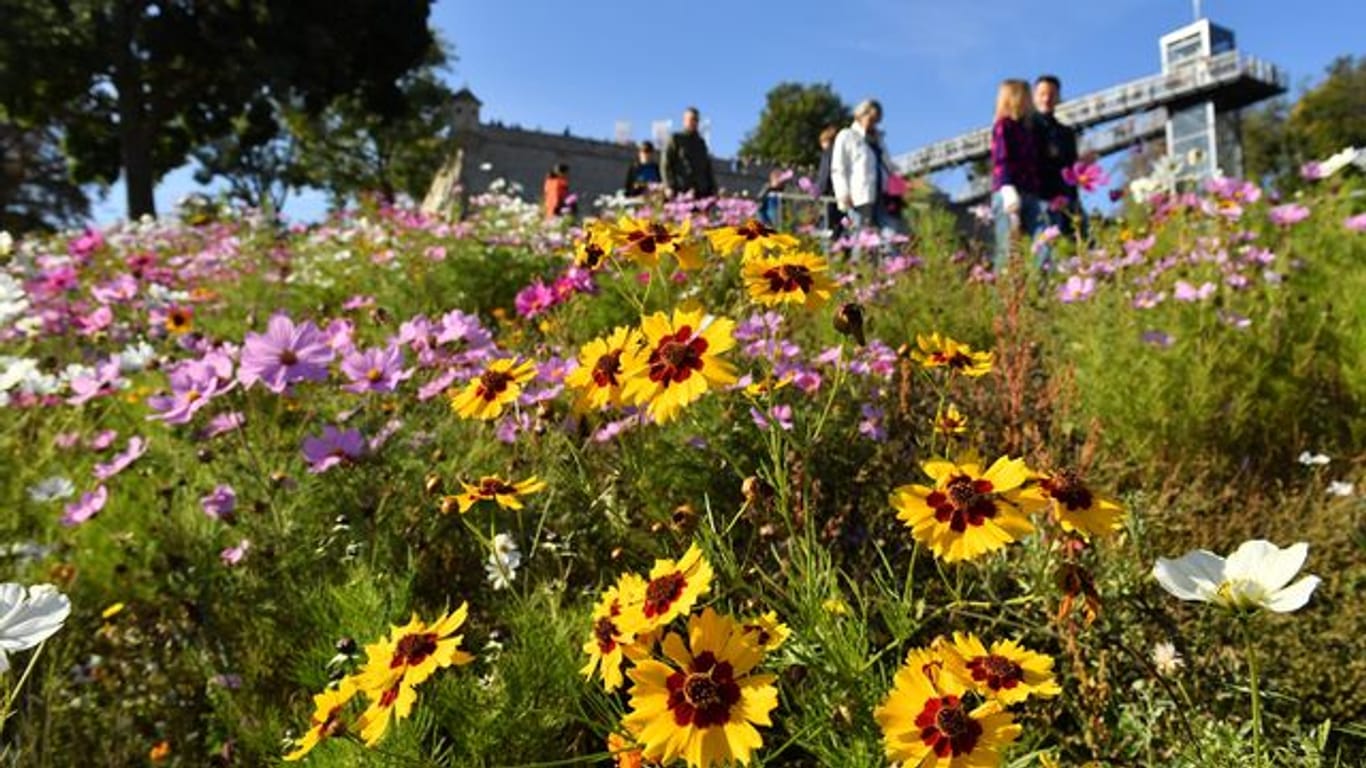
x=13, y=298
x=1166, y=659
x=53, y=488
x=1313, y=459
x=1340, y=488
x=501, y=567
x=28, y=616
x=1254, y=576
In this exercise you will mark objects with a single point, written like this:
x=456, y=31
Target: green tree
x=135, y=85
x=36, y=188
x=1332, y=115
x=1268, y=155
x=258, y=158
x=789, y=128
x=350, y=150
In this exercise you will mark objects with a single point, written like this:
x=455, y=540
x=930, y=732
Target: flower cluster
x=694, y=697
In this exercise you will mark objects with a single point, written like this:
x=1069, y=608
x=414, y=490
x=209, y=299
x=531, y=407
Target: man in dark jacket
x=687, y=163
x=834, y=220
x=643, y=172
x=1057, y=145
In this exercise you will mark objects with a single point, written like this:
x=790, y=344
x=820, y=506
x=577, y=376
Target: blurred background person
x=1014, y=168
x=555, y=193
x=687, y=162
x=834, y=220
x=643, y=172
x=770, y=202
x=857, y=166
x=1057, y=145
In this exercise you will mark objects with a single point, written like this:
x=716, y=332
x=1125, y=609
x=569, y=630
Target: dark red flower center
x=492, y=486
x=753, y=230
x=946, y=728
x=963, y=502
x=334, y=725
x=605, y=632
x=704, y=695
x=493, y=383
x=607, y=367
x=663, y=592
x=413, y=649
x=390, y=695
x=997, y=671
x=288, y=357
x=761, y=635
x=676, y=357
x=592, y=255
x=787, y=278
x=1066, y=486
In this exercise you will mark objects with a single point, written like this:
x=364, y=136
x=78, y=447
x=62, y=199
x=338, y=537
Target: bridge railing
x=1189, y=79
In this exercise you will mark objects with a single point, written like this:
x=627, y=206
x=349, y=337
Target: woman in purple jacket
x=1014, y=168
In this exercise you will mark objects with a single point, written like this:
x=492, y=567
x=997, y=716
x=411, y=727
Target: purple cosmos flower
x=358, y=301
x=136, y=447
x=1356, y=223
x=871, y=425
x=105, y=380
x=87, y=506
x=222, y=424
x=332, y=448
x=437, y=385
x=1184, y=291
x=1285, y=215
x=463, y=328
x=1158, y=338
x=101, y=440
x=374, y=370
x=193, y=384
x=781, y=415
x=1076, y=289
x=284, y=354
x=535, y=299
x=220, y=504
x=235, y=554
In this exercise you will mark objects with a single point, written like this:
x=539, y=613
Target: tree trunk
x=135, y=144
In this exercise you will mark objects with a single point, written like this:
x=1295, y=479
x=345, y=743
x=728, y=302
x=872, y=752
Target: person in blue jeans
x=1014, y=171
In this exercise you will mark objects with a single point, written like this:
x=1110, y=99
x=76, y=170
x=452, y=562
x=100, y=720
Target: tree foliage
x=36, y=188
x=135, y=85
x=789, y=128
x=1278, y=137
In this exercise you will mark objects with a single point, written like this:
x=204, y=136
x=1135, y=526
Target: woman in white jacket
x=857, y=166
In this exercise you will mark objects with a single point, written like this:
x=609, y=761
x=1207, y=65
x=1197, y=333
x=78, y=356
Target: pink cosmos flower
x=286, y=353
x=1085, y=176
x=193, y=384
x=87, y=506
x=119, y=290
x=535, y=299
x=779, y=415
x=137, y=446
x=222, y=424
x=374, y=370
x=1285, y=215
x=234, y=555
x=93, y=323
x=871, y=425
x=220, y=503
x=100, y=440
x=104, y=381
x=1184, y=291
x=1356, y=223
x=358, y=302
x=1076, y=289
x=333, y=447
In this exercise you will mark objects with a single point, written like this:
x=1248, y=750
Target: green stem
x=1258, y=748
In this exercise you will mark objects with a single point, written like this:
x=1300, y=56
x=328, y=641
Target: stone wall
x=490, y=152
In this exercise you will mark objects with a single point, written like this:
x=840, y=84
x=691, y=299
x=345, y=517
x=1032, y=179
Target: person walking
x=1014, y=168
x=687, y=163
x=1057, y=145
x=857, y=165
x=643, y=172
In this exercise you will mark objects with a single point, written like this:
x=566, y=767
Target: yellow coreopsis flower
x=795, y=277
x=494, y=488
x=599, y=377
x=702, y=705
x=679, y=362
x=938, y=351
x=614, y=631
x=766, y=631
x=753, y=236
x=644, y=241
x=500, y=384
x=927, y=724
x=624, y=751
x=1074, y=505
x=950, y=421
x=1009, y=672
x=592, y=250
x=328, y=720
x=672, y=590
x=968, y=512
x=396, y=665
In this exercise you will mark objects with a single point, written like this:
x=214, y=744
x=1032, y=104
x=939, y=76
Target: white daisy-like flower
x=1166, y=659
x=1341, y=488
x=1313, y=459
x=503, y=562
x=53, y=488
x=28, y=616
x=1254, y=576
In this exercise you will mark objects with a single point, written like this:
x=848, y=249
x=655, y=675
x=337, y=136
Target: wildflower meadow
x=665, y=486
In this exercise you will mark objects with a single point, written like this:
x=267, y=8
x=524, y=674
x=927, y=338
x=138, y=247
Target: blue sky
x=933, y=64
